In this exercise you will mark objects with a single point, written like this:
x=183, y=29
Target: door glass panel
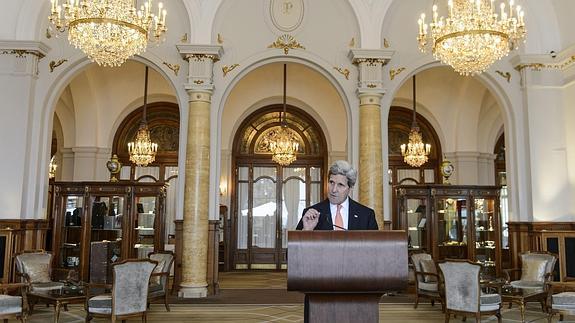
x=569, y=259
x=416, y=224
x=72, y=232
x=485, y=235
x=145, y=225
x=264, y=212
x=293, y=204
x=452, y=228
x=315, y=193
x=106, y=236
x=429, y=175
x=553, y=246
x=315, y=174
x=242, y=216
x=407, y=173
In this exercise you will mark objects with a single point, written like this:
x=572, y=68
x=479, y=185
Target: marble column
x=370, y=91
x=197, y=170
x=370, y=154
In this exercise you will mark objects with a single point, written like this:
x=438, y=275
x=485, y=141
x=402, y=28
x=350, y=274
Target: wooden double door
x=269, y=200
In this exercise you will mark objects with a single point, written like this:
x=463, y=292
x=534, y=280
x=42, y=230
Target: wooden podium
x=345, y=273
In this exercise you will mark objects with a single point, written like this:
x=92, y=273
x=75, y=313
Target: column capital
x=201, y=59
x=369, y=97
x=540, y=68
x=370, y=63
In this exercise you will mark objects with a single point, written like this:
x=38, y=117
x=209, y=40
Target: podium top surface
x=347, y=261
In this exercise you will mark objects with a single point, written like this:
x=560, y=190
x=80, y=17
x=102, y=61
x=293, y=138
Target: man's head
x=342, y=177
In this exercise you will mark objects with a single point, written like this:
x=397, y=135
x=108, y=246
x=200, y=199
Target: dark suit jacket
x=360, y=217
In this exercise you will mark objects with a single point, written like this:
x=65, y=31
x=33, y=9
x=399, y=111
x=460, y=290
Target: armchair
x=536, y=269
x=463, y=292
x=35, y=269
x=160, y=277
x=561, y=299
x=13, y=306
x=128, y=297
x=426, y=278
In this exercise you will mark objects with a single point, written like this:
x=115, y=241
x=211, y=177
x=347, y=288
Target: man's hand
x=310, y=219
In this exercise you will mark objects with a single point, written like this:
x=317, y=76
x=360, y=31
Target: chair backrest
x=416, y=259
x=536, y=264
x=37, y=265
x=131, y=280
x=461, y=281
x=165, y=260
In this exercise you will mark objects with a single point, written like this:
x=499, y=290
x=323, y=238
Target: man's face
x=338, y=189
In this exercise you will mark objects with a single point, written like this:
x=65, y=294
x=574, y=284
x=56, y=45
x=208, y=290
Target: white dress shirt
x=344, y=212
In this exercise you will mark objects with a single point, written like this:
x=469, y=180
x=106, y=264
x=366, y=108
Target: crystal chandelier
x=473, y=36
x=52, y=168
x=143, y=150
x=284, y=144
x=415, y=152
x=109, y=31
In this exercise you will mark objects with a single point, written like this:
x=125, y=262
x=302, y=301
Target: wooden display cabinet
x=452, y=222
x=99, y=223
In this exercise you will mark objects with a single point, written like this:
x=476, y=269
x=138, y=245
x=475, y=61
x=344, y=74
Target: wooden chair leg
x=447, y=317
x=416, y=300
x=166, y=302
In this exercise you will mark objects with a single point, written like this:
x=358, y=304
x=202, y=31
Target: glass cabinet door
x=485, y=235
x=452, y=234
x=106, y=236
x=71, y=232
x=416, y=224
x=145, y=225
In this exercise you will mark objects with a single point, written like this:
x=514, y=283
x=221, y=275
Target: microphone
x=341, y=228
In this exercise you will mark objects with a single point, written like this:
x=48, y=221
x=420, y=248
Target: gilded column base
x=190, y=291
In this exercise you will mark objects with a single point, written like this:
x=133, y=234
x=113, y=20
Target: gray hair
x=342, y=167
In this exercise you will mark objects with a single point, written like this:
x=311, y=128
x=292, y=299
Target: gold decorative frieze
x=184, y=38
x=174, y=67
x=386, y=43
x=539, y=66
x=226, y=69
x=198, y=82
x=48, y=34
x=505, y=75
x=371, y=86
x=393, y=73
x=21, y=52
x=220, y=39
x=352, y=42
x=201, y=57
x=343, y=71
x=370, y=61
x=286, y=42
x=54, y=64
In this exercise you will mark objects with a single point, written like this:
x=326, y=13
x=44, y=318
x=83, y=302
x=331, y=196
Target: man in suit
x=339, y=211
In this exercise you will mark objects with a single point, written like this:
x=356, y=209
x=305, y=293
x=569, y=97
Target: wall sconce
x=223, y=188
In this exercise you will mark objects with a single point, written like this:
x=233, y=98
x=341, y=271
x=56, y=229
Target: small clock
x=114, y=166
x=446, y=170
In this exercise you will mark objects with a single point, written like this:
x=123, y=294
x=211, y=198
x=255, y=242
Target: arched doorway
x=399, y=125
x=268, y=198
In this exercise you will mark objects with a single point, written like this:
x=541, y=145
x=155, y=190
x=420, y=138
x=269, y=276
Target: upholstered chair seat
x=561, y=299
x=13, y=305
x=129, y=292
x=462, y=290
x=160, y=277
x=426, y=278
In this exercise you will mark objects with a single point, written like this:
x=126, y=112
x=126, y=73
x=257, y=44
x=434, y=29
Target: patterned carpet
x=262, y=297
